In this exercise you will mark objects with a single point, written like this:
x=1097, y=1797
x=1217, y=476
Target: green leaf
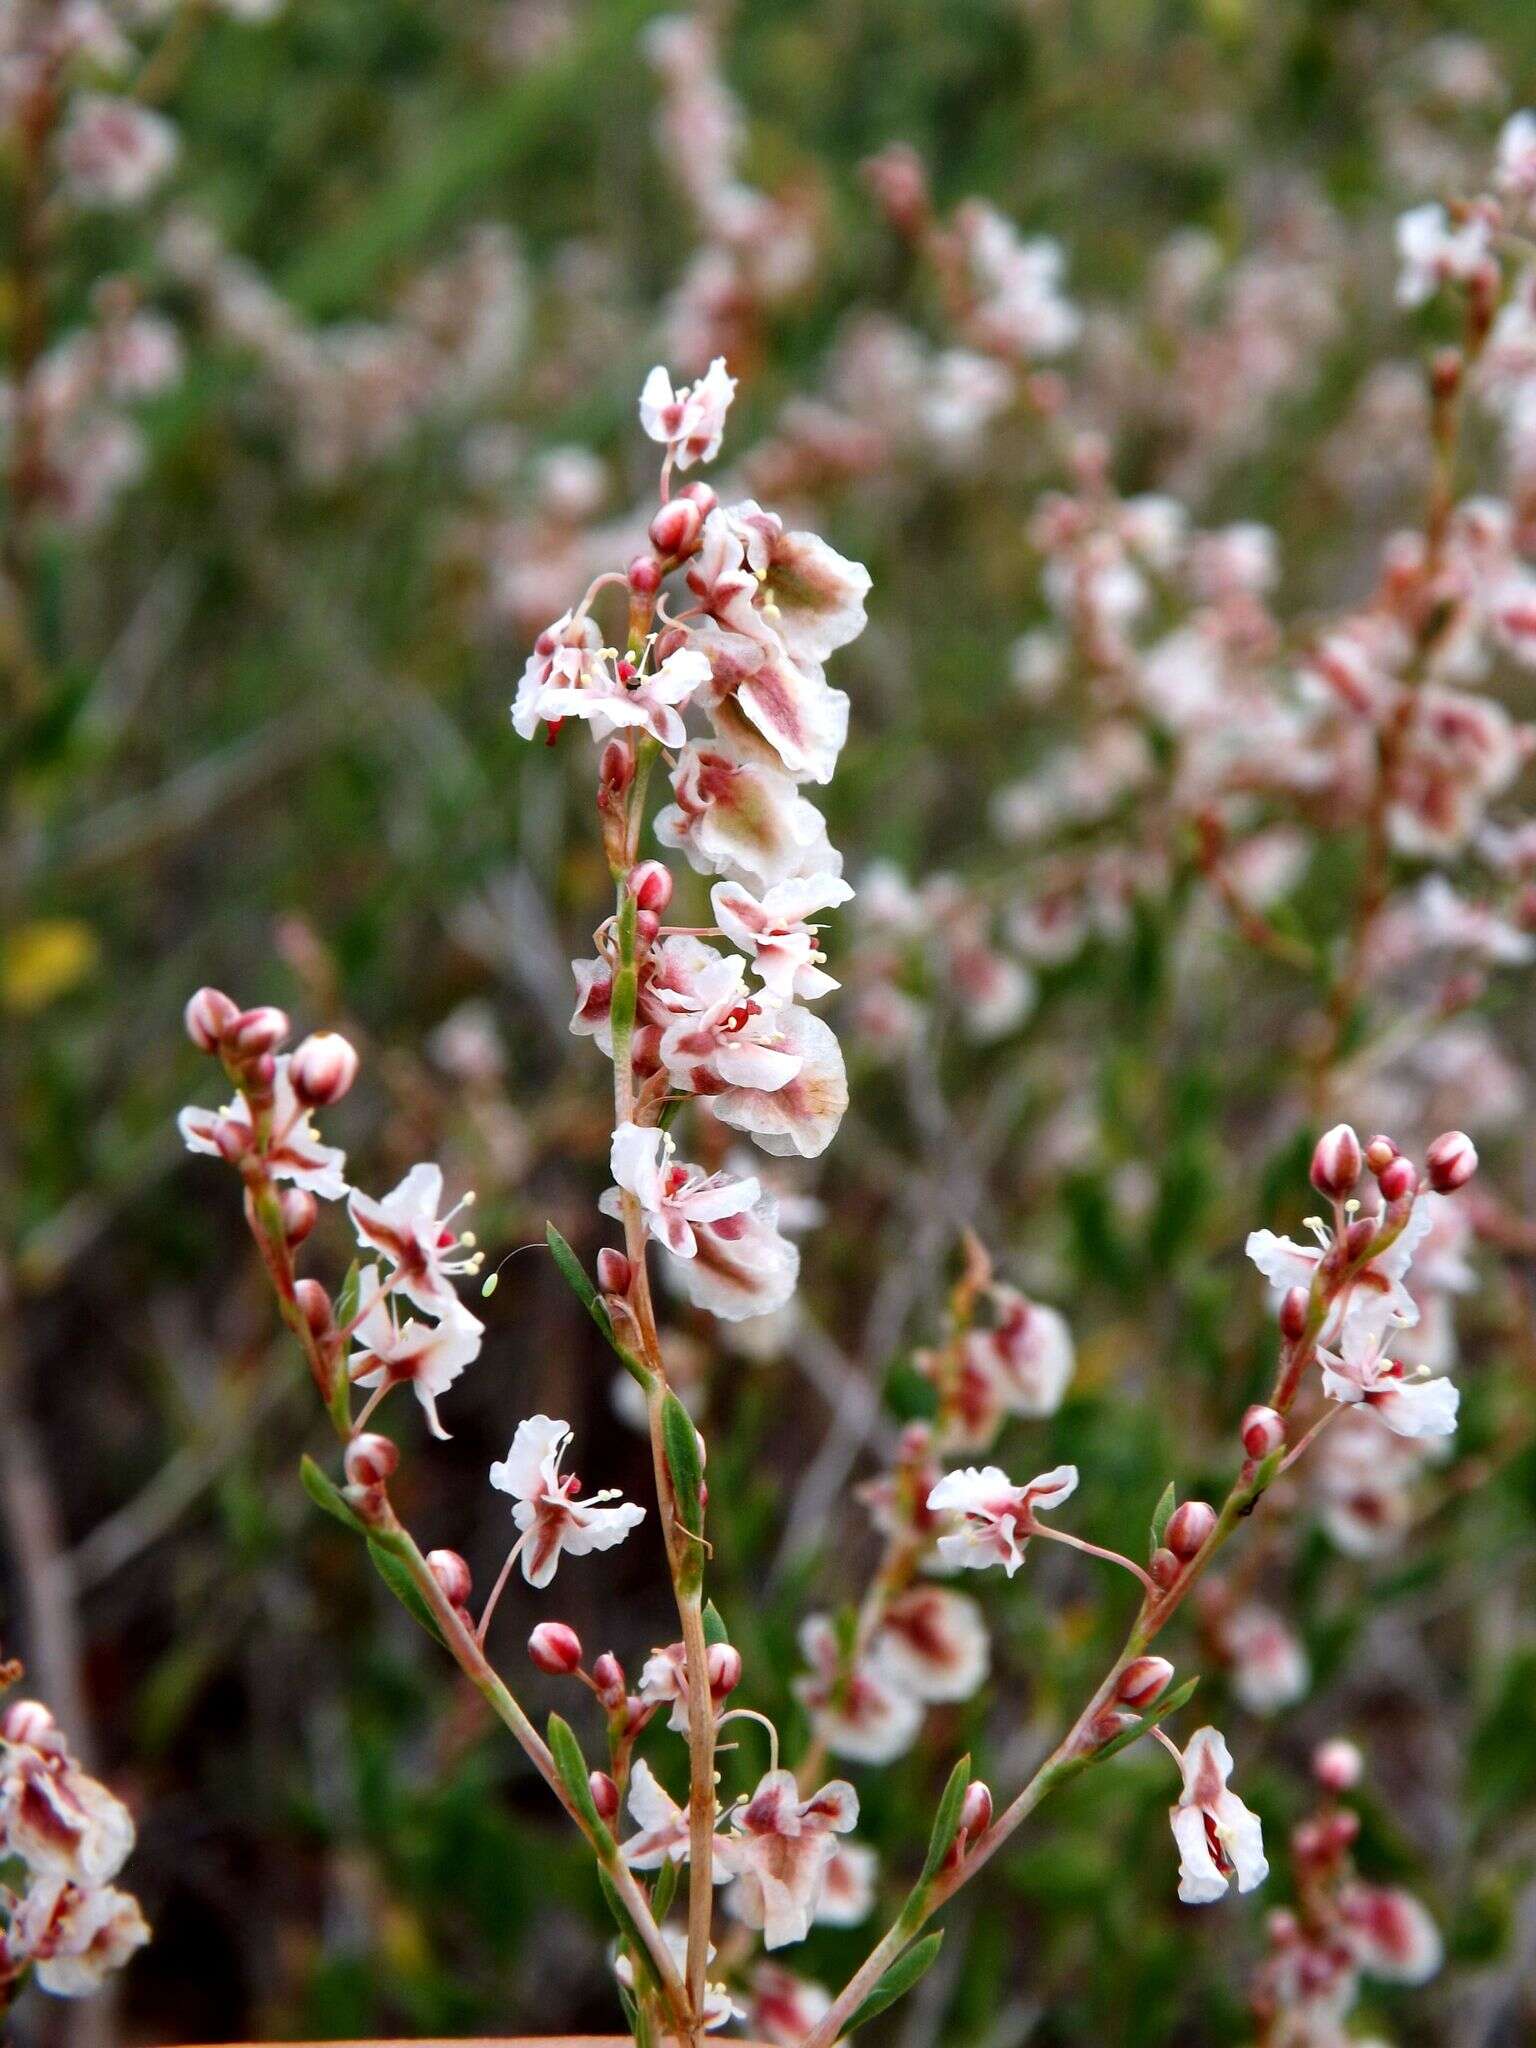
x=1161, y=1514
x=576, y=1278
x=572, y=1766
x=1170, y=1703
x=664, y=1891
x=899, y=1978
x=946, y=1821
x=680, y=1442
x=325, y=1493
x=395, y=1573
x=639, y=1954
x=715, y=1630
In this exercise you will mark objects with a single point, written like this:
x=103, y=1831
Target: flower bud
x=452, y=1575
x=1337, y=1765
x=614, y=1272
x=605, y=1795
x=555, y=1648
x=650, y=883
x=1336, y=1161
x=1398, y=1178
x=1263, y=1431
x=1164, y=1567
x=608, y=1677
x=1282, y=1927
x=26, y=1721
x=258, y=1074
x=1293, y=1313
x=647, y=925
x=1450, y=1162
x=1357, y=1240
x=299, y=1211
x=1143, y=1680
x=315, y=1307
x=1188, y=1527
x=258, y=1031
x=724, y=1669
x=1341, y=1830
x=644, y=575
x=233, y=1139
x=615, y=769
x=208, y=1016
x=975, y=1810
x=675, y=529
x=323, y=1068
x=671, y=640
x=701, y=495
x=1379, y=1153
x=370, y=1459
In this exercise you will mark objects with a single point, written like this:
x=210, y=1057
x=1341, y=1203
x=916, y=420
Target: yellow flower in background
x=43, y=960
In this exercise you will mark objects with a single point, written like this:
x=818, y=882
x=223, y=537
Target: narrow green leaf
x=664, y=1891
x=1170, y=1703
x=680, y=1441
x=1160, y=1515
x=576, y=1278
x=715, y=1630
x=392, y=1569
x=639, y=1954
x=325, y=1493
x=946, y=1821
x=572, y=1766
x=351, y=1294
x=899, y=1978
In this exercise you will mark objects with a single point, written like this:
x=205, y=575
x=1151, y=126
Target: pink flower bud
x=608, y=1677
x=315, y=1307
x=724, y=1669
x=323, y=1068
x=232, y=1139
x=1336, y=1161
x=1398, y=1178
x=650, y=883
x=1341, y=1831
x=1188, y=1527
x=614, y=1272
x=615, y=768
x=644, y=575
x=605, y=1795
x=1337, y=1766
x=1143, y=1680
x=1263, y=1431
x=1293, y=1313
x=452, y=1575
x=299, y=1211
x=1163, y=1567
x=208, y=1016
x=1359, y=1237
x=675, y=529
x=258, y=1031
x=26, y=1721
x=555, y=1648
x=370, y=1459
x=1379, y=1153
x=701, y=495
x=259, y=1073
x=975, y=1810
x=899, y=183
x=1450, y=1162
x=647, y=925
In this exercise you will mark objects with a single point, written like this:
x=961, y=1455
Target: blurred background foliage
x=270, y=750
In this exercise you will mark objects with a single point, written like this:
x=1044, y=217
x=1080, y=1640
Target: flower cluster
x=63, y=1839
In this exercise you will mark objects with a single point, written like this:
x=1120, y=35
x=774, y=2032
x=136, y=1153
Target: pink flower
x=769, y=706
x=75, y=1934
x=932, y=1644
x=732, y=1039
x=778, y=1853
x=800, y=1115
x=737, y=817
x=293, y=1149
x=997, y=1517
x=1269, y=1665
x=1410, y=1405
x=113, y=151
x=1390, y=1934
x=427, y=1356
x=418, y=1241
x=1026, y=1349
x=1218, y=1838
x=690, y=421
x=1377, y=1294
x=1433, y=252
x=772, y=931
x=848, y=1886
x=1458, y=752
x=618, y=695
x=562, y=656
x=784, y=2007
x=673, y=1199
x=548, y=1511
x=751, y=573
x=857, y=1709
x=58, y=1819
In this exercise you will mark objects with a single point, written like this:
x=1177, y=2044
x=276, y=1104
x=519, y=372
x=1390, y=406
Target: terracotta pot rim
x=474, y=2041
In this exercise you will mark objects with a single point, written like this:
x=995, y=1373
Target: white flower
x=618, y=695
x=113, y=151
x=769, y=706
x=800, y=1115
x=56, y=1817
x=933, y=1644
x=548, y=1511
x=429, y=1356
x=1269, y=1665
x=785, y=2007
x=673, y=1199
x=848, y=1886
x=810, y=596
x=1514, y=172
x=858, y=1709
x=1217, y=1836
x=772, y=931
x=719, y=2007
x=690, y=421
x=740, y=818
x=293, y=1150
x=75, y=1934
x=1410, y=1406
x=561, y=658
x=1376, y=1296
x=1433, y=252
x=663, y=1836
x=1026, y=1350
x=997, y=1517
x=778, y=1853
x=1390, y=1934
x=730, y=1039
x=407, y=1227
